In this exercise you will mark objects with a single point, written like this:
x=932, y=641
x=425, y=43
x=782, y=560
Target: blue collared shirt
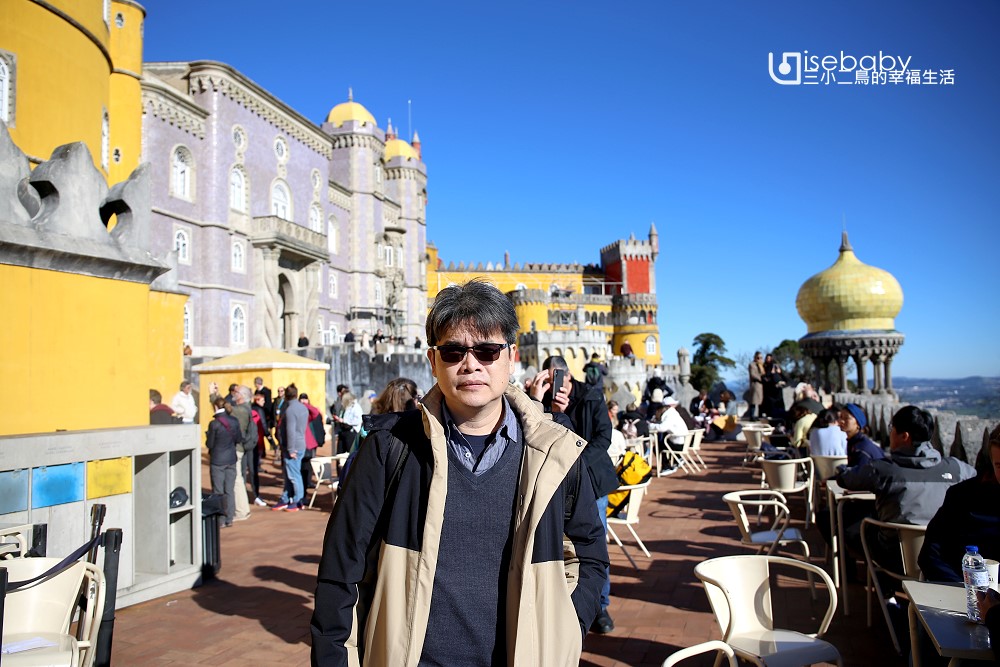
x=508, y=433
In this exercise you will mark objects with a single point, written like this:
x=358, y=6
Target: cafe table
x=836, y=497
x=940, y=608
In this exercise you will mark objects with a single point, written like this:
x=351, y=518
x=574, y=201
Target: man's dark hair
x=918, y=423
x=291, y=392
x=258, y=393
x=555, y=361
x=233, y=387
x=184, y=383
x=341, y=388
x=155, y=396
x=476, y=304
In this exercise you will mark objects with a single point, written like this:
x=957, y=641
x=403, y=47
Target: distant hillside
x=979, y=396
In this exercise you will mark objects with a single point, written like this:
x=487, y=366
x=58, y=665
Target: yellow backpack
x=632, y=470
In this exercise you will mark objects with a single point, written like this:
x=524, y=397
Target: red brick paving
x=257, y=611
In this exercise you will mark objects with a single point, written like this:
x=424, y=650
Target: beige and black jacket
x=377, y=571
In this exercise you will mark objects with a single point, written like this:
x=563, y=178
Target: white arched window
x=650, y=344
x=5, y=86
x=181, y=173
x=331, y=235
x=237, y=190
x=378, y=292
x=105, y=139
x=330, y=336
x=182, y=244
x=315, y=218
x=238, y=325
x=332, y=283
x=187, y=323
x=281, y=201
x=388, y=255
x=239, y=260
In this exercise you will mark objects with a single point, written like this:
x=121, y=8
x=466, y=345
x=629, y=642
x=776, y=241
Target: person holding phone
x=585, y=406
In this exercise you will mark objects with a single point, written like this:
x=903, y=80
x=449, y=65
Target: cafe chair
x=64, y=609
x=326, y=475
x=779, y=534
x=791, y=476
x=721, y=648
x=910, y=539
x=824, y=468
x=629, y=517
x=754, y=434
x=739, y=591
x=693, y=451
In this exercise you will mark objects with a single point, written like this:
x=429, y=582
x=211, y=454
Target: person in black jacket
x=221, y=438
x=970, y=514
x=589, y=413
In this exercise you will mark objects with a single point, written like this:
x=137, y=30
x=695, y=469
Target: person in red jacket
x=315, y=437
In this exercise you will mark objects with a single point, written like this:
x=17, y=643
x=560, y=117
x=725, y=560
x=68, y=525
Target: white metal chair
x=783, y=475
x=739, y=590
x=754, y=434
x=679, y=458
x=779, y=534
x=48, y=608
x=713, y=645
x=326, y=475
x=824, y=468
x=695, y=450
x=911, y=539
x=629, y=517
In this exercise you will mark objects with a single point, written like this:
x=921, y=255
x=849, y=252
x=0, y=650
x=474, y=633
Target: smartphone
x=557, y=380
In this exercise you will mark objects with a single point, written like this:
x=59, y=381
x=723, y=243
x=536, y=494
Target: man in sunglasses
x=446, y=543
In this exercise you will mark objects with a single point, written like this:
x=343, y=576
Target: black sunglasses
x=484, y=352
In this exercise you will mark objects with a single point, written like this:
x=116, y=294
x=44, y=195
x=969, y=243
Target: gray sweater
x=296, y=418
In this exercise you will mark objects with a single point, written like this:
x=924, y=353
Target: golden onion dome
x=349, y=111
x=399, y=148
x=850, y=296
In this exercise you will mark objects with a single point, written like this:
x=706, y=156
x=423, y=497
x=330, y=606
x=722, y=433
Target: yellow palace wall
x=63, y=91
x=125, y=89
x=80, y=350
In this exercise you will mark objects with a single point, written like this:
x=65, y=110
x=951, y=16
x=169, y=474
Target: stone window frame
x=183, y=251
x=650, y=344
x=105, y=139
x=185, y=178
x=316, y=217
x=332, y=238
x=239, y=137
x=317, y=181
x=188, y=323
x=331, y=282
x=238, y=256
x=238, y=318
x=280, y=185
x=8, y=87
x=239, y=201
x=378, y=293
x=281, y=149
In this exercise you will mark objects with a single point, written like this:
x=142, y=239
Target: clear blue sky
x=552, y=128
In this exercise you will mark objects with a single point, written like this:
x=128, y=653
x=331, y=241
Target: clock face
x=280, y=148
x=239, y=137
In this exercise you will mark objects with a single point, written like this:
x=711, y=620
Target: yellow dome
x=349, y=110
x=399, y=148
x=850, y=296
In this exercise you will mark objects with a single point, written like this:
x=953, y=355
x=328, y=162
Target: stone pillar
x=267, y=325
x=861, y=361
x=888, y=375
x=842, y=374
x=877, y=360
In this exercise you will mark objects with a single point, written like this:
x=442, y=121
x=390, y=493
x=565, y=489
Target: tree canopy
x=708, y=361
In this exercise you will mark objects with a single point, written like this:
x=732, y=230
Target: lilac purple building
x=281, y=227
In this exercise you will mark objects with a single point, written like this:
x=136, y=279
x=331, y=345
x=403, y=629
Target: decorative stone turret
x=849, y=310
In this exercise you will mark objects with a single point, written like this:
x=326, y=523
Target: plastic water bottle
x=976, y=579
